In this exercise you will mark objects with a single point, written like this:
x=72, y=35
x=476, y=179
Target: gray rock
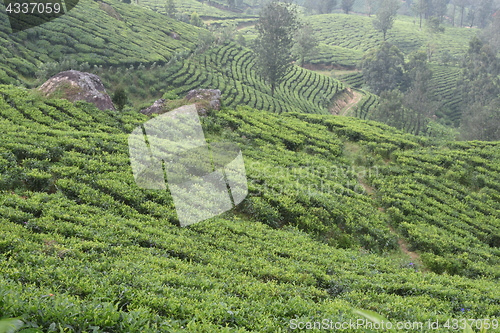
x=79, y=86
x=204, y=99
x=157, y=107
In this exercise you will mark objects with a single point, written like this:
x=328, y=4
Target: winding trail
x=403, y=245
x=353, y=102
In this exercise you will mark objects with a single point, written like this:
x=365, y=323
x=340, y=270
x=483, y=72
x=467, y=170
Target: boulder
x=157, y=108
x=78, y=86
x=204, y=99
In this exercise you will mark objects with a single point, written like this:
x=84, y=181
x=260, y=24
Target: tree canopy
x=277, y=25
x=385, y=16
x=383, y=68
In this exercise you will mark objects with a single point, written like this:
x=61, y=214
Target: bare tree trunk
x=462, y=17
x=453, y=16
x=420, y=21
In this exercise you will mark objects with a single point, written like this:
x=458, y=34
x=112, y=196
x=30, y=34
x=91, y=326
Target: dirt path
x=353, y=102
x=345, y=102
x=403, y=245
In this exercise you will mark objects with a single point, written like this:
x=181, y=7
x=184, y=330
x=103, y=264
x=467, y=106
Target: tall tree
x=327, y=6
x=347, y=5
x=383, y=68
x=481, y=122
x=417, y=98
x=385, y=16
x=479, y=81
x=484, y=12
x=490, y=35
x=462, y=4
x=370, y=4
x=171, y=9
x=453, y=15
x=196, y=20
x=277, y=25
x=440, y=8
x=471, y=14
x=305, y=43
x=420, y=7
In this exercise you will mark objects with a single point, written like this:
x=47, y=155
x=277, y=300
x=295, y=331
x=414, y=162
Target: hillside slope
x=81, y=245
x=93, y=33
x=232, y=69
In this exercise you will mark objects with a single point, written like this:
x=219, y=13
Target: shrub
x=120, y=98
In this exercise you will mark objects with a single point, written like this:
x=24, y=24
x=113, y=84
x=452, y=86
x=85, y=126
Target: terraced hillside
x=218, y=10
x=91, y=34
x=346, y=38
x=232, y=69
x=444, y=87
x=82, y=248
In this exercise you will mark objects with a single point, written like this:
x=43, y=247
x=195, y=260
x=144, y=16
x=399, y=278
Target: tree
x=471, y=14
x=276, y=27
x=391, y=110
x=327, y=6
x=479, y=85
x=490, y=35
x=347, y=5
x=120, y=98
x=440, y=8
x=241, y=39
x=385, y=16
x=481, y=122
x=421, y=7
x=170, y=9
x=462, y=4
x=321, y=6
x=434, y=25
x=479, y=80
x=370, y=4
x=196, y=20
x=305, y=43
x=417, y=98
x=383, y=68
x=484, y=13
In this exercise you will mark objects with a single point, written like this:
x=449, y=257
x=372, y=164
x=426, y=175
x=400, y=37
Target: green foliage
x=10, y=325
x=346, y=5
x=195, y=20
x=95, y=252
x=120, y=98
x=171, y=9
x=233, y=70
x=344, y=39
x=241, y=40
x=276, y=27
x=305, y=43
x=385, y=16
x=383, y=68
x=82, y=42
x=170, y=95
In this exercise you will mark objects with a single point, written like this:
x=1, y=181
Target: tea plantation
x=83, y=249
x=346, y=38
x=92, y=34
x=232, y=69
